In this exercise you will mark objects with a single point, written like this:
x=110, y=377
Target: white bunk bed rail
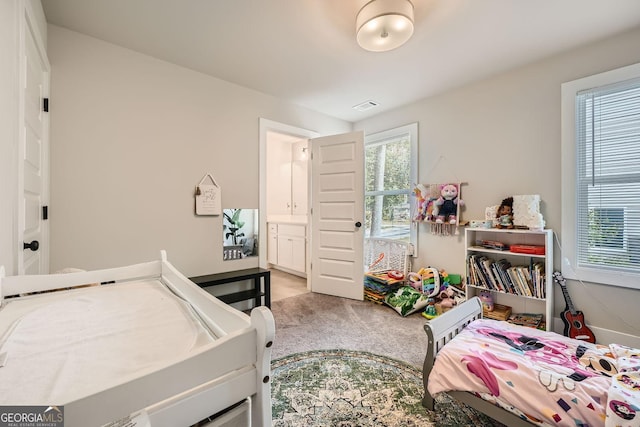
x=212, y=377
x=20, y=285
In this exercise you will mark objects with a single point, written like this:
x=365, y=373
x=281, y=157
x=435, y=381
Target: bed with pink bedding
x=525, y=376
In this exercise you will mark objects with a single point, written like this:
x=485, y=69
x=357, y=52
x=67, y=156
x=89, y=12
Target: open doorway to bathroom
x=284, y=207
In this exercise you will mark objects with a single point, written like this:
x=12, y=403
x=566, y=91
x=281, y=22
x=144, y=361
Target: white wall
x=131, y=137
x=502, y=137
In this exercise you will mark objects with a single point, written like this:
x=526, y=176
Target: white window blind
x=607, y=138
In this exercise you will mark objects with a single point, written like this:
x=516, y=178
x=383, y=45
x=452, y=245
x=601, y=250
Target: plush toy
x=447, y=298
x=504, y=214
x=446, y=207
x=422, y=200
x=487, y=300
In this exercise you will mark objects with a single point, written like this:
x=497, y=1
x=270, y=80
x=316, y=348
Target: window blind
x=608, y=177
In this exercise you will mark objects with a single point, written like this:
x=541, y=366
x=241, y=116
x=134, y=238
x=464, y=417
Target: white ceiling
x=304, y=51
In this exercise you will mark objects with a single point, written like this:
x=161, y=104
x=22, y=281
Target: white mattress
x=57, y=347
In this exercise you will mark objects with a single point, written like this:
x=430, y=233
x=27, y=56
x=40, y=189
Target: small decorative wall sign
x=208, y=196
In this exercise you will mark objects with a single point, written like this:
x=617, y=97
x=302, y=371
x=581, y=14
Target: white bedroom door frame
x=330, y=271
x=33, y=148
x=267, y=126
x=337, y=220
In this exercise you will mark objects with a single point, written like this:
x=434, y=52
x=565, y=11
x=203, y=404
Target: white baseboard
x=604, y=336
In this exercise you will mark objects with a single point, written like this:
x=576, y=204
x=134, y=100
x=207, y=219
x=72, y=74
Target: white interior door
x=33, y=233
x=337, y=199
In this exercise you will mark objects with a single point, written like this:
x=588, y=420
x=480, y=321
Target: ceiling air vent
x=364, y=106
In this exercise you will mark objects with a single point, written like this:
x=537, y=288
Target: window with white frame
x=390, y=173
x=601, y=178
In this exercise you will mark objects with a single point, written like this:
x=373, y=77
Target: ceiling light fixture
x=384, y=25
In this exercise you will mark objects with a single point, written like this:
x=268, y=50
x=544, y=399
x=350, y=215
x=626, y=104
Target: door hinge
x=45, y=213
x=45, y=105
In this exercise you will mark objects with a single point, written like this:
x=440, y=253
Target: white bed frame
x=440, y=331
x=232, y=369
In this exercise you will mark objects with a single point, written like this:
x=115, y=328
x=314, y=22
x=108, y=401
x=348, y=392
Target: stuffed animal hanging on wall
x=426, y=196
x=446, y=207
x=439, y=205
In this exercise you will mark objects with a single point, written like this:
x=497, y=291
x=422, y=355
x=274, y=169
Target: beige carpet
x=320, y=322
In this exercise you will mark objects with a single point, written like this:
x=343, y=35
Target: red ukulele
x=574, y=326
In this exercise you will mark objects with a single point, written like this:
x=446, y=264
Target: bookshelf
x=523, y=281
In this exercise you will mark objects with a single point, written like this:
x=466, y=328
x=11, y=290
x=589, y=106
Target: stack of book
x=378, y=285
x=532, y=320
x=501, y=276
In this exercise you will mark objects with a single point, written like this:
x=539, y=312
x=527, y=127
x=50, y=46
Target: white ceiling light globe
x=384, y=25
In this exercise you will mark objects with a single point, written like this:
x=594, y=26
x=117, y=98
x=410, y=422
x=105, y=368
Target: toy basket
x=386, y=254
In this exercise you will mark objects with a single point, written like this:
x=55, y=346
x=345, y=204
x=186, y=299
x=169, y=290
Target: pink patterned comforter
x=544, y=377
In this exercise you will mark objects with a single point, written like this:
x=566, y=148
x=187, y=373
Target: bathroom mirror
x=239, y=233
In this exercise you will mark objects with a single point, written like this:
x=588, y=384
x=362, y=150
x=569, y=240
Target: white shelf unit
x=519, y=303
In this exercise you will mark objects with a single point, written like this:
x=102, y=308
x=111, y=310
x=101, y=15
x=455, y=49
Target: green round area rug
x=344, y=388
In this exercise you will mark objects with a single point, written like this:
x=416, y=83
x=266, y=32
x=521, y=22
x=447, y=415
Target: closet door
x=33, y=164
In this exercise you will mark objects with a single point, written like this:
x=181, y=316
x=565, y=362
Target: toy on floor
x=395, y=274
x=447, y=298
x=439, y=287
x=426, y=280
x=430, y=312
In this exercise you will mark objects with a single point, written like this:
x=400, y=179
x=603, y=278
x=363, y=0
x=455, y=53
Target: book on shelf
x=487, y=264
x=524, y=280
x=502, y=267
x=475, y=272
x=516, y=280
x=539, y=279
x=501, y=276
